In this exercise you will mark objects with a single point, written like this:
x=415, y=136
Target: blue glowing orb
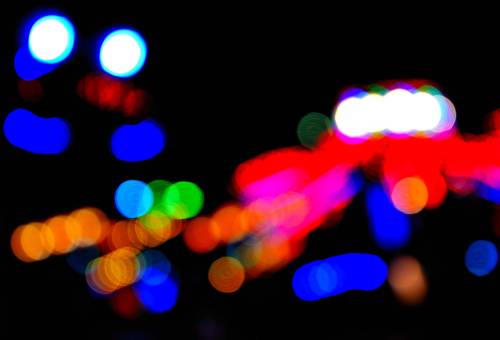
x=481, y=258
x=158, y=295
x=339, y=274
x=133, y=198
x=123, y=53
x=35, y=134
x=390, y=227
x=137, y=142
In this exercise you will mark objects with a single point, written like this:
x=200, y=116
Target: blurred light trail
x=339, y=274
x=138, y=142
x=122, y=53
x=35, y=134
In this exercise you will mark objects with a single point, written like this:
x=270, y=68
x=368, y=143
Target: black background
x=227, y=84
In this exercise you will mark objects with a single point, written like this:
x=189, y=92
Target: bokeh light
x=31, y=91
x=29, y=68
x=123, y=53
x=226, y=274
x=79, y=259
x=339, y=274
x=51, y=39
x=36, y=134
x=312, y=127
x=183, y=200
x=112, y=94
x=125, y=303
x=410, y=195
x=202, y=235
x=138, y=142
x=158, y=292
x=401, y=110
x=29, y=244
x=115, y=270
x=481, y=257
x=133, y=198
x=390, y=228
x=231, y=221
x=408, y=281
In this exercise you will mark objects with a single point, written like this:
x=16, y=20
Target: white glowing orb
x=51, y=39
x=123, y=53
x=399, y=111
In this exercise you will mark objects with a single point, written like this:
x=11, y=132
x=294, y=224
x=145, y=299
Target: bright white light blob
x=426, y=112
x=397, y=105
x=348, y=117
x=399, y=111
x=123, y=53
x=51, y=39
x=374, y=116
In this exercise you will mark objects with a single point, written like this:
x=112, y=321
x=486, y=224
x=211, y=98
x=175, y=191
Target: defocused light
x=92, y=224
x=349, y=119
x=62, y=233
x=155, y=228
x=339, y=274
x=183, y=200
x=402, y=110
x=80, y=258
x=138, y=142
x=112, y=94
x=158, y=187
x=231, y=221
x=120, y=268
x=29, y=244
x=407, y=280
x=202, y=235
x=35, y=134
x=28, y=68
x=397, y=105
x=481, y=258
x=410, y=195
x=123, y=53
x=226, y=274
x=158, y=295
x=426, y=112
x=51, y=39
x=133, y=198
x=312, y=127
x=390, y=228
x=125, y=303
x=30, y=90
x=157, y=267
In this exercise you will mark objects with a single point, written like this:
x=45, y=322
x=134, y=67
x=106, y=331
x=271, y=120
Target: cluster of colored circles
x=179, y=200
